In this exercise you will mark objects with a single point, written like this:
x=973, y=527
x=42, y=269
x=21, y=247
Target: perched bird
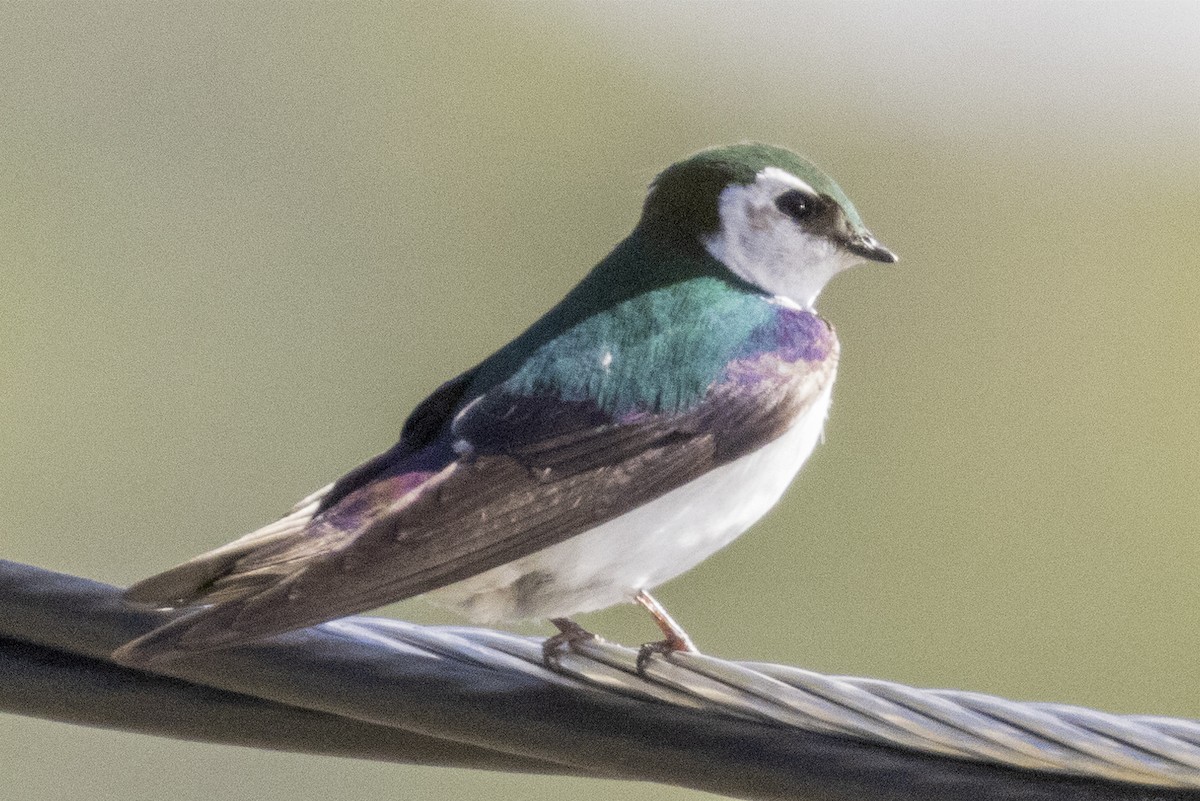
x=647, y=420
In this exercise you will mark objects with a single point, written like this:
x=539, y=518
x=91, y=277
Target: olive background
x=239, y=241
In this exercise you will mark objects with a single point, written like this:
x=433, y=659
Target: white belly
x=645, y=547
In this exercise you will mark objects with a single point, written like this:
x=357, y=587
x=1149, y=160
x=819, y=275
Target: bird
x=648, y=419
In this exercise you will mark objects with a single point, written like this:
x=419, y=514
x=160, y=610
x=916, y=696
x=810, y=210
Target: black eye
x=795, y=204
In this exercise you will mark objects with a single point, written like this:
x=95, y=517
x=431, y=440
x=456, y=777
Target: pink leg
x=676, y=639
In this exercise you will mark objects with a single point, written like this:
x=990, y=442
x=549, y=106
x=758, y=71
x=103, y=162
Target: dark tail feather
x=203, y=630
x=192, y=582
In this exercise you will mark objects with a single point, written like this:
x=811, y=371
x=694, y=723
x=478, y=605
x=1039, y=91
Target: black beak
x=866, y=246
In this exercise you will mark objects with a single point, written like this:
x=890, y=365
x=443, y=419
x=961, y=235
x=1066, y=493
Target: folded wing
x=505, y=477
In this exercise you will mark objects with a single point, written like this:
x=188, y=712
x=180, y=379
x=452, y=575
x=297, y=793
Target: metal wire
x=1071, y=740
x=387, y=689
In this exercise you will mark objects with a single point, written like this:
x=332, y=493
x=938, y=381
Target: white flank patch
x=648, y=545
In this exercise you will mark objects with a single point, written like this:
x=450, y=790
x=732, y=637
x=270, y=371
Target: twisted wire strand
x=464, y=697
x=965, y=725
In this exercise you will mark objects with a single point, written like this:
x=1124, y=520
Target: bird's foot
x=664, y=647
x=569, y=633
x=676, y=639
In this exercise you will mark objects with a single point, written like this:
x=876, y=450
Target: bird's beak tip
x=870, y=248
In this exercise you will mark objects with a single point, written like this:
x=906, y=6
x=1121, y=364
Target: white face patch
x=764, y=246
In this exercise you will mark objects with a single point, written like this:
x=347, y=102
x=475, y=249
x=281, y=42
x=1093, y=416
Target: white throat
x=762, y=245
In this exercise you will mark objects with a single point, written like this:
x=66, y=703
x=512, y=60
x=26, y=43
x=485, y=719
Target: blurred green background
x=238, y=242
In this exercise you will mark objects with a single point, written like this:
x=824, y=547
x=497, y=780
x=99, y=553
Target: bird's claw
x=664, y=647
x=569, y=633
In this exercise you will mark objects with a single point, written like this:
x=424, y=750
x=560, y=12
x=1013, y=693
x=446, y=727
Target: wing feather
x=189, y=582
x=491, y=488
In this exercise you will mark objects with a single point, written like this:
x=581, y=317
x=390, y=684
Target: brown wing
x=489, y=492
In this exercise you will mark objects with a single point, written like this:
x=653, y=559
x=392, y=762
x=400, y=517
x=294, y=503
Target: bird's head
x=769, y=216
